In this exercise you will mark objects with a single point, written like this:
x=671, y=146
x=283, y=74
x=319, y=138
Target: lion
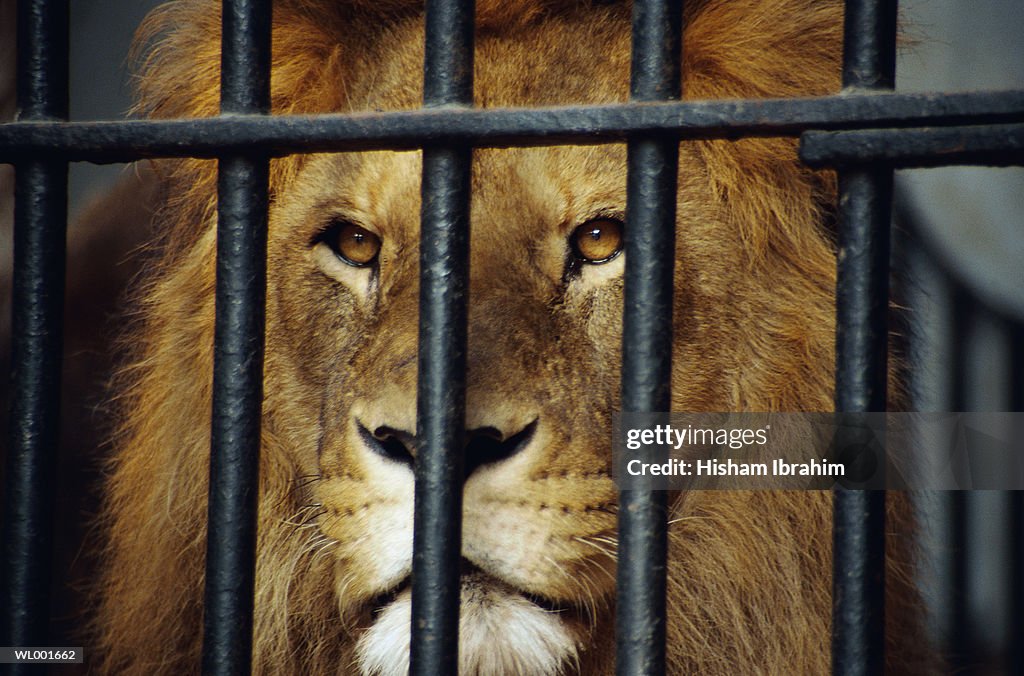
x=749, y=572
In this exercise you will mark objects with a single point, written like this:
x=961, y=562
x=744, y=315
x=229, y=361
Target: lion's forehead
x=571, y=58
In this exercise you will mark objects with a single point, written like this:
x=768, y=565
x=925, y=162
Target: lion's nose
x=391, y=443
x=487, y=445
x=484, y=445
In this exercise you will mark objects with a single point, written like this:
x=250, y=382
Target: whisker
x=596, y=545
x=680, y=519
x=306, y=517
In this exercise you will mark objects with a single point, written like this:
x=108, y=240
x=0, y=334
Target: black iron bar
x=963, y=397
x=441, y=395
x=238, y=349
x=960, y=340
x=960, y=637
x=40, y=219
x=992, y=145
x=124, y=141
x=862, y=308
x=1015, y=330
x=653, y=163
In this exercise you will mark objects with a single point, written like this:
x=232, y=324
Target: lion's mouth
x=381, y=601
x=499, y=625
x=473, y=579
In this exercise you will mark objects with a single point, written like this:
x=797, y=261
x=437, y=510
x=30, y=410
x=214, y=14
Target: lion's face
x=543, y=377
x=542, y=383
x=544, y=341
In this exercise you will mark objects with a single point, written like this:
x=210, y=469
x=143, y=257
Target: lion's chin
x=500, y=632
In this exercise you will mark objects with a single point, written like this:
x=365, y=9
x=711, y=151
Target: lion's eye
x=597, y=241
x=353, y=244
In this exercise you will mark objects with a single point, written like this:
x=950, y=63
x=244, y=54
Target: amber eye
x=597, y=241
x=353, y=244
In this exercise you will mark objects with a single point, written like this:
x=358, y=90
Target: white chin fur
x=499, y=633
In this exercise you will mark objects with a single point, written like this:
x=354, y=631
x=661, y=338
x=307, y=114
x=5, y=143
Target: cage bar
x=1016, y=657
x=993, y=145
x=1015, y=330
x=959, y=335
x=441, y=393
x=238, y=349
x=127, y=140
x=652, y=168
x=40, y=220
x=862, y=306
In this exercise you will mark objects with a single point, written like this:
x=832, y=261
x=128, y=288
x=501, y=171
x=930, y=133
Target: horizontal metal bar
x=997, y=145
x=125, y=141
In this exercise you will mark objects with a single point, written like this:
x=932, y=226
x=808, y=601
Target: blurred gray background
x=972, y=222
x=101, y=34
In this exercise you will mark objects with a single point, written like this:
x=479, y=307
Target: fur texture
x=749, y=571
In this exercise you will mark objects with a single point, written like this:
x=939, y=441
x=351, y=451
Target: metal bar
x=238, y=349
x=960, y=638
x=962, y=339
x=862, y=308
x=652, y=166
x=124, y=141
x=441, y=394
x=862, y=292
x=1016, y=332
x=959, y=337
x=994, y=145
x=40, y=220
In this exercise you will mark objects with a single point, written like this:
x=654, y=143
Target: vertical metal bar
x=238, y=350
x=960, y=638
x=652, y=166
x=40, y=219
x=1016, y=332
x=862, y=297
x=441, y=396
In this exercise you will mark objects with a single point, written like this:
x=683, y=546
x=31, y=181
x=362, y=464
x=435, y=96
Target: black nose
x=488, y=445
x=484, y=445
